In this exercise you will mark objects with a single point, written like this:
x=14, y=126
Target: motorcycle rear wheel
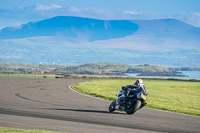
x=133, y=108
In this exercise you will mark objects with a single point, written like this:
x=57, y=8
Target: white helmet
x=138, y=82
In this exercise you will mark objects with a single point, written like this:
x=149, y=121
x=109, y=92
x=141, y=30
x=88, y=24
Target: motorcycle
x=135, y=100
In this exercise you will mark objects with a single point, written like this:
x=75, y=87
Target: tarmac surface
x=50, y=104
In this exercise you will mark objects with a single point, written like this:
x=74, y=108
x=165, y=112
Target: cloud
x=47, y=7
x=196, y=14
x=82, y=12
x=96, y=13
x=131, y=12
x=74, y=9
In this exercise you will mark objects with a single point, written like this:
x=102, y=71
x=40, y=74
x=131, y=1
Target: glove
x=123, y=87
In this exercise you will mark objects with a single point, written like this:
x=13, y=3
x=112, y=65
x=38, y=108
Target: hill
x=90, y=69
x=74, y=41
x=72, y=27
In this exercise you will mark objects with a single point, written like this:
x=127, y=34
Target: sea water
x=188, y=74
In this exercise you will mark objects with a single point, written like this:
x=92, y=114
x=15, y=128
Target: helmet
x=138, y=82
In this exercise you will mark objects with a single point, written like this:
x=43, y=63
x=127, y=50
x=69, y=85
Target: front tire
x=133, y=108
x=112, y=106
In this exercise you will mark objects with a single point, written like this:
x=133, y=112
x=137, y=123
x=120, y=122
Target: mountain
x=75, y=40
x=75, y=27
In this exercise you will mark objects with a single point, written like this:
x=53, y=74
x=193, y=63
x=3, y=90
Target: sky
x=17, y=12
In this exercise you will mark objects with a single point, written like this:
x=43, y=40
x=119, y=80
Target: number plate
x=143, y=96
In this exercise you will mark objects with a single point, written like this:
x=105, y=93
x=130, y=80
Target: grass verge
x=175, y=96
x=27, y=75
x=5, y=130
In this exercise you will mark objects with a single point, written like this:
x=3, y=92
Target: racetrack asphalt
x=49, y=104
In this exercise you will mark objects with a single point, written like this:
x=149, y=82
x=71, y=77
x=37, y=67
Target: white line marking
x=70, y=87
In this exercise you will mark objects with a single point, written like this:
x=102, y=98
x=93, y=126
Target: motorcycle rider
x=138, y=85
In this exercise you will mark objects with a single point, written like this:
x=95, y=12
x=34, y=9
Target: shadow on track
x=90, y=111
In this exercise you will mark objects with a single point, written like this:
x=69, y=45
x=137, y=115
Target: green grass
x=5, y=130
x=27, y=75
x=176, y=96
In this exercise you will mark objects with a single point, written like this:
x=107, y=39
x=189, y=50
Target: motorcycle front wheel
x=132, y=109
x=112, y=107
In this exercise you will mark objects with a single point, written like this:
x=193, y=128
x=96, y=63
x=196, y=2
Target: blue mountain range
x=91, y=29
x=76, y=40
